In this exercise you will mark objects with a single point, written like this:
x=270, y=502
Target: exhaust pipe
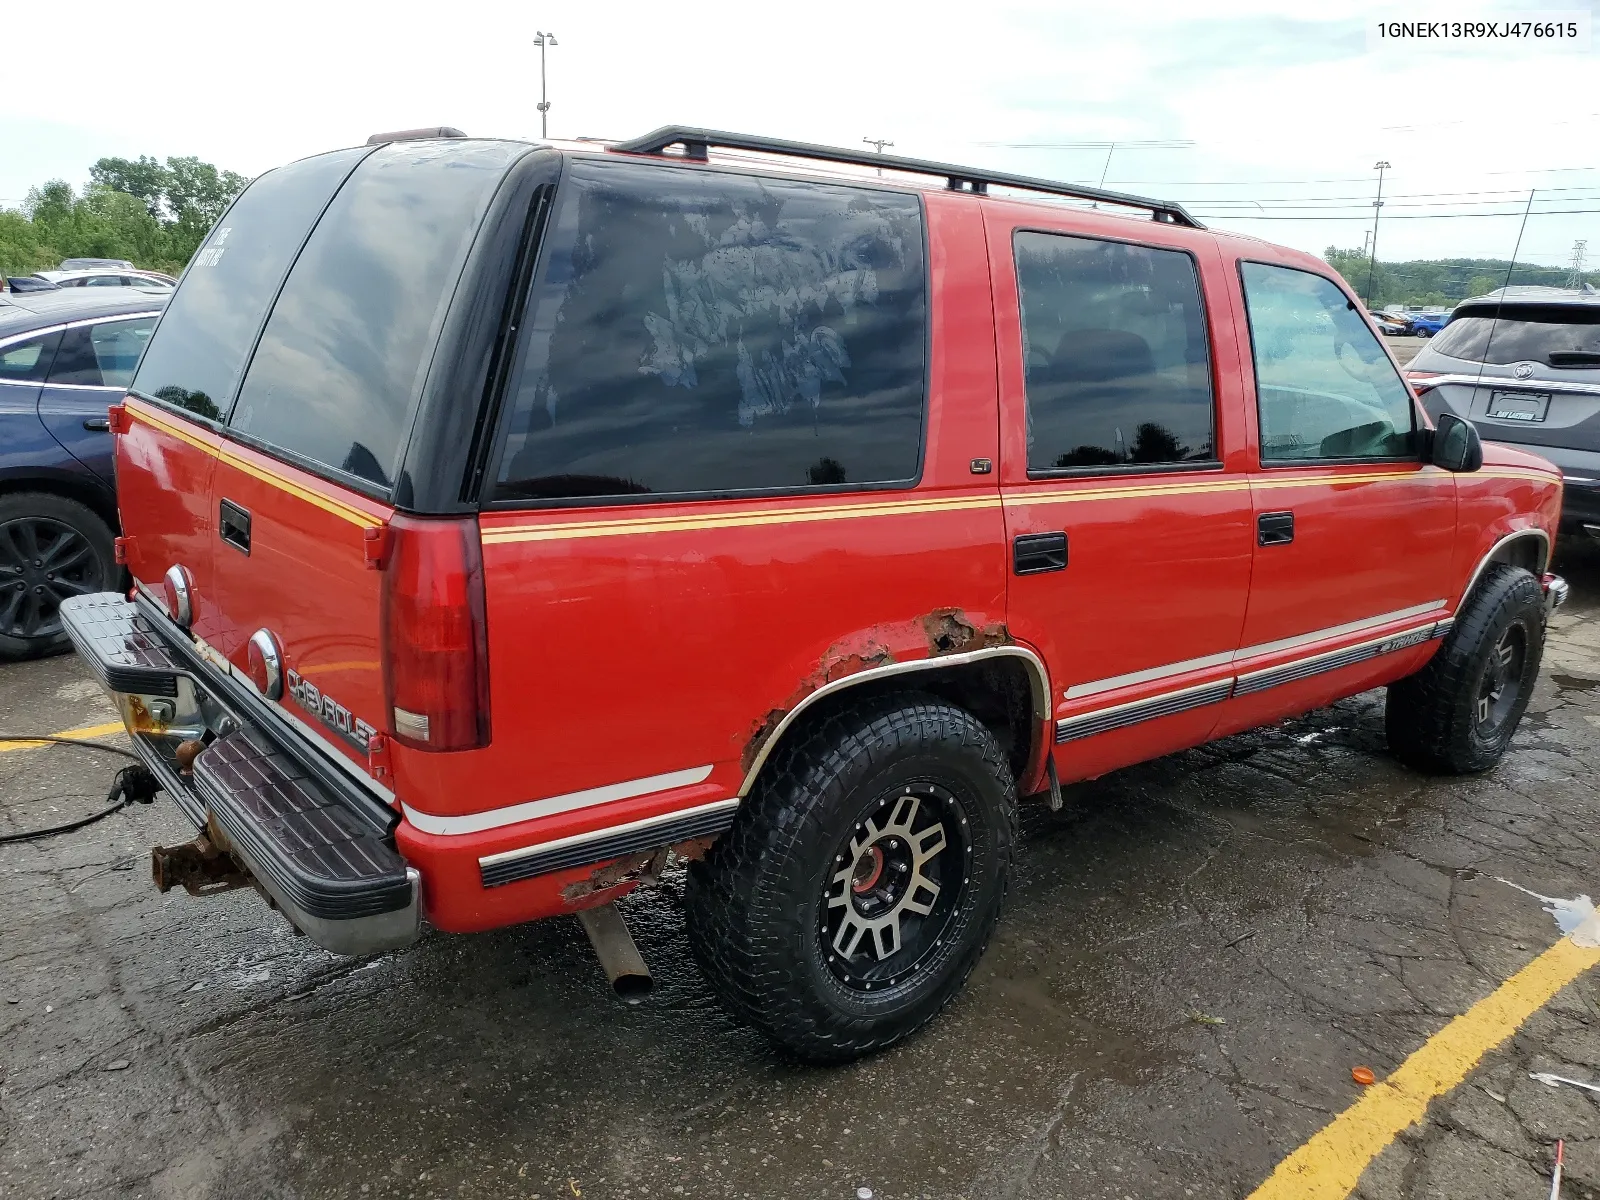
x=619, y=957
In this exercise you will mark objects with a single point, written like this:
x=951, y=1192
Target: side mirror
x=1456, y=444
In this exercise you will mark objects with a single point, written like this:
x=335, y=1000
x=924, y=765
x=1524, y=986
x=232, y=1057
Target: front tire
x=1459, y=713
x=862, y=879
x=50, y=548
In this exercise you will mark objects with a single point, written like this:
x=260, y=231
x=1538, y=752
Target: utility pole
x=880, y=143
x=1377, y=211
x=1579, y=253
x=542, y=40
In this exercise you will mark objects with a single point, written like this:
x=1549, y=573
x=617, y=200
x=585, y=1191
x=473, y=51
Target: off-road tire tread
x=738, y=928
x=1428, y=715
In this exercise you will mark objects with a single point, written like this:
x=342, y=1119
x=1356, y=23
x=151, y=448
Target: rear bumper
x=319, y=846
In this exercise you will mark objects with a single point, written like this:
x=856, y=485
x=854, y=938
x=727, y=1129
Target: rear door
x=92, y=369
x=316, y=434
x=1126, y=500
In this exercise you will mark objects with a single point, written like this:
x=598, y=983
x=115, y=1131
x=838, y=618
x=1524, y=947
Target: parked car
x=65, y=356
x=152, y=280
x=506, y=518
x=1387, y=325
x=1426, y=324
x=1523, y=365
x=92, y=264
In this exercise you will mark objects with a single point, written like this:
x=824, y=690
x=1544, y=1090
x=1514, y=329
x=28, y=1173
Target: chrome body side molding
x=1105, y=719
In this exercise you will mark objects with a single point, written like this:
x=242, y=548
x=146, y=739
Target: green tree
x=152, y=213
x=142, y=177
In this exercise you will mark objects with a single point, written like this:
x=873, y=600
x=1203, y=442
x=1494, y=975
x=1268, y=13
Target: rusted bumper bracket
x=198, y=867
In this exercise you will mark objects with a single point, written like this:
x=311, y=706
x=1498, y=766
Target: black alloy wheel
x=1500, y=687
x=898, y=875
x=51, y=549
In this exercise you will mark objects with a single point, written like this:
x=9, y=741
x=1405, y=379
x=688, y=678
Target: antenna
x=1510, y=267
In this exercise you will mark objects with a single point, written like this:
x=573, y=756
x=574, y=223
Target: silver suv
x=1523, y=364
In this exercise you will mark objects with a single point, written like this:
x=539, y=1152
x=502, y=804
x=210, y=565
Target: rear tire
x=1459, y=713
x=50, y=548
x=862, y=879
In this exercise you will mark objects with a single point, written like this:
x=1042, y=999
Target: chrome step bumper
x=326, y=858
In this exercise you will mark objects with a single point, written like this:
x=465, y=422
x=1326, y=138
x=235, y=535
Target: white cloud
x=1264, y=96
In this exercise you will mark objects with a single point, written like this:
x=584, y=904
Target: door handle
x=1036, y=553
x=1275, y=529
x=97, y=425
x=233, y=523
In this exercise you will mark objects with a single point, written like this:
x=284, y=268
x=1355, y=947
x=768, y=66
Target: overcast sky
x=1281, y=110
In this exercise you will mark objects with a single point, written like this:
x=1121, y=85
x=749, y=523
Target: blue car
x=65, y=357
x=1425, y=325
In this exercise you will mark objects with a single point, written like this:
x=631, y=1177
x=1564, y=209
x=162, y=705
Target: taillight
x=435, y=643
x=1422, y=381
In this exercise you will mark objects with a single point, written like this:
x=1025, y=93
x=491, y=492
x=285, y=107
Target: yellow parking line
x=1329, y=1166
x=87, y=731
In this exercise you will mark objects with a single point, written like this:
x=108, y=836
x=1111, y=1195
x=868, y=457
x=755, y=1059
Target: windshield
x=1555, y=335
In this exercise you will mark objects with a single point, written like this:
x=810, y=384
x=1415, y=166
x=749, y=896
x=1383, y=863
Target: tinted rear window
x=196, y=359
x=700, y=332
x=343, y=356
x=1118, y=371
x=1524, y=333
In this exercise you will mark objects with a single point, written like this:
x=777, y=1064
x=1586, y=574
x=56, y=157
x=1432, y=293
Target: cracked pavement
x=1197, y=952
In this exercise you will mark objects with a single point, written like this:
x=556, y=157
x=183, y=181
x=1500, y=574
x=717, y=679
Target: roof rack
x=696, y=142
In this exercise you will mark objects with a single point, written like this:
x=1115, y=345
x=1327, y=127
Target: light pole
x=542, y=40
x=1377, y=211
x=880, y=143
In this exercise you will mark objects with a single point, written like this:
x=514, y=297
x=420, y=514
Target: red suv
x=505, y=518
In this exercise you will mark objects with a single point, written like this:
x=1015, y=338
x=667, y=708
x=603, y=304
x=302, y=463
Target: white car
x=105, y=277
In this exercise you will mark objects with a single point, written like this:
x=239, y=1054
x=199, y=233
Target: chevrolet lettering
x=619, y=556
x=329, y=711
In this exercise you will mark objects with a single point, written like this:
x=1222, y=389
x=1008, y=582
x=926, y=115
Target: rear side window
x=342, y=359
x=27, y=362
x=1114, y=337
x=699, y=332
x=102, y=355
x=196, y=360
x=1325, y=387
x=1552, y=334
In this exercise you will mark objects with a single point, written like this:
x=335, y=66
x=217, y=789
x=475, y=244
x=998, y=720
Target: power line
x=1241, y=216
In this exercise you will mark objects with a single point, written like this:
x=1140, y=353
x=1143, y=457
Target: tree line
x=1441, y=282
x=154, y=214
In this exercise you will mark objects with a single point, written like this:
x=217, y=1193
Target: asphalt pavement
x=1197, y=952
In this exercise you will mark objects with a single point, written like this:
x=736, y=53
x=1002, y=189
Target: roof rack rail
x=696, y=142
x=415, y=135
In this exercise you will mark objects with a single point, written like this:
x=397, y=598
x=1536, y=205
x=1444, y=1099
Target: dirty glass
x=704, y=332
x=1325, y=386
x=1114, y=341
x=342, y=359
x=195, y=361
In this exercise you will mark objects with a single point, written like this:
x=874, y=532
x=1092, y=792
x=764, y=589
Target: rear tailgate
x=166, y=453
x=295, y=557
x=316, y=435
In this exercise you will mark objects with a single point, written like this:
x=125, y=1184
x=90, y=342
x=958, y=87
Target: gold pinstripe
x=731, y=520
x=327, y=503
x=744, y=518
